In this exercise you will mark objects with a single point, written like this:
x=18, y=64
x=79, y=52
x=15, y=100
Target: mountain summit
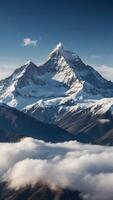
x=63, y=91
x=66, y=54
x=61, y=83
x=63, y=74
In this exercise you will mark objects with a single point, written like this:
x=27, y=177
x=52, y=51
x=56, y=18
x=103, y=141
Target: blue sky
x=84, y=26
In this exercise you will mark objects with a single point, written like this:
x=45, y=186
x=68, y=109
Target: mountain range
x=60, y=100
x=65, y=92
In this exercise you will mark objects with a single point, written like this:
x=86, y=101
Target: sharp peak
x=27, y=66
x=59, y=48
x=67, y=54
x=29, y=62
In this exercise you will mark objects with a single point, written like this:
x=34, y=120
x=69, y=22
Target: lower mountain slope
x=15, y=124
x=93, y=124
x=39, y=192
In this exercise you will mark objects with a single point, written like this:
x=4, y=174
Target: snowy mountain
x=56, y=91
x=62, y=75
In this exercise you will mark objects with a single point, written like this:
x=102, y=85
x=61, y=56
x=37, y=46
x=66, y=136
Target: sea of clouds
x=87, y=168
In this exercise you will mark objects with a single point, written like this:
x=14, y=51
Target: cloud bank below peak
x=87, y=168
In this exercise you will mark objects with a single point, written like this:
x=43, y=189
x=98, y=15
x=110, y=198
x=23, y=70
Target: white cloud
x=105, y=71
x=87, y=168
x=29, y=42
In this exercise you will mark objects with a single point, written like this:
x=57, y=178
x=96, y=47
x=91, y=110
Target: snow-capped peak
x=60, y=50
x=28, y=66
x=59, y=47
x=29, y=62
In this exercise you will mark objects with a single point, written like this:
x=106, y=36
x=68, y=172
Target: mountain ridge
x=63, y=73
x=15, y=125
x=62, y=85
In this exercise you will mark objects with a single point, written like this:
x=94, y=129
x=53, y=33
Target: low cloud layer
x=87, y=168
x=29, y=42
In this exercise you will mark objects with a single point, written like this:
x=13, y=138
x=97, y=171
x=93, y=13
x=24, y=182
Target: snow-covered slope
x=62, y=75
x=63, y=84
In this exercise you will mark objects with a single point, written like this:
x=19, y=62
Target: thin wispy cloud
x=29, y=42
x=93, y=56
